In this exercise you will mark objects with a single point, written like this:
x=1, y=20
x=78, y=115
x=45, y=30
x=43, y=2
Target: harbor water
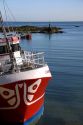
x=64, y=55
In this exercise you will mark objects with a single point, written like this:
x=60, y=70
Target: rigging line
x=11, y=14
x=5, y=15
x=10, y=11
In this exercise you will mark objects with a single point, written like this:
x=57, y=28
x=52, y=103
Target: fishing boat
x=24, y=77
x=28, y=36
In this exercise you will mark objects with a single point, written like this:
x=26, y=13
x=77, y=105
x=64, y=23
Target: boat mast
x=4, y=32
x=12, y=59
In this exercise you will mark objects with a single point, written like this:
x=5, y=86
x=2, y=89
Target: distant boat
x=28, y=36
x=22, y=35
x=76, y=26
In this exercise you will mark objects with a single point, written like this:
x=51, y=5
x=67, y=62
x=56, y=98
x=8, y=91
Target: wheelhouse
x=13, y=41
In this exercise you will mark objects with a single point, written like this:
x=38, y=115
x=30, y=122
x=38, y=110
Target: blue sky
x=45, y=10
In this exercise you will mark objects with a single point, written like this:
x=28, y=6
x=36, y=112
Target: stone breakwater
x=34, y=29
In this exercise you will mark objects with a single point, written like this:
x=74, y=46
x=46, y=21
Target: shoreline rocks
x=34, y=29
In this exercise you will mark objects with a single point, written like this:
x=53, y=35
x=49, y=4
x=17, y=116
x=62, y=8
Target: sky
x=43, y=10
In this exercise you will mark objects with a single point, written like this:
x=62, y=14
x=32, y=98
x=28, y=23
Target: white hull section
x=30, y=74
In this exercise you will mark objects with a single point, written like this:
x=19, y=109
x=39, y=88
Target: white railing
x=34, y=58
x=30, y=60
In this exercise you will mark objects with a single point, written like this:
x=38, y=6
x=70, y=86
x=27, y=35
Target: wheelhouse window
x=15, y=47
x=3, y=49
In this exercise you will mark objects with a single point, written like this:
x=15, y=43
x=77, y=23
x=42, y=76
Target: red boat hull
x=19, y=102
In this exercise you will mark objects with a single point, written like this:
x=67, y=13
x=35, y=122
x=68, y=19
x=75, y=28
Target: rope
x=10, y=13
x=5, y=15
